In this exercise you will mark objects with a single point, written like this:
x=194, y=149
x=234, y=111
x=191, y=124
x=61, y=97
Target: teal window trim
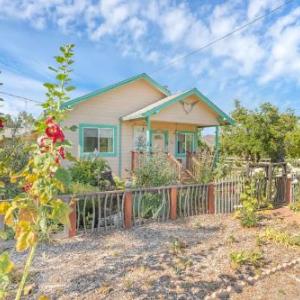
x=193, y=133
x=82, y=126
x=166, y=137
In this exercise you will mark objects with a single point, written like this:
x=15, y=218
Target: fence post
x=128, y=210
x=73, y=219
x=288, y=190
x=173, y=203
x=211, y=198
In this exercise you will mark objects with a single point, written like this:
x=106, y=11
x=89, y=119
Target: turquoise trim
x=148, y=134
x=98, y=92
x=217, y=146
x=180, y=155
x=223, y=117
x=120, y=149
x=99, y=154
x=166, y=137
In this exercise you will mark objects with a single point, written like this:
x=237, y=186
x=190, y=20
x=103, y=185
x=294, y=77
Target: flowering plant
x=33, y=212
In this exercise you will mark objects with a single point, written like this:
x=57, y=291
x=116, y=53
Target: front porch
x=172, y=126
x=178, y=141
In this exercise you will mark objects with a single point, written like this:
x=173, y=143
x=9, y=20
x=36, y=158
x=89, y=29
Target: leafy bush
x=80, y=188
x=295, y=206
x=248, y=214
x=89, y=171
x=14, y=153
x=154, y=170
x=120, y=184
x=239, y=258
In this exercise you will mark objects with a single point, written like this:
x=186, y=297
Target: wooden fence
x=104, y=211
x=295, y=188
x=227, y=194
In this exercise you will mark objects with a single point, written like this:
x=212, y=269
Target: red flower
x=49, y=120
x=55, y=133
x=61, y=152
x=27, y=187
x=57, y=161
x=42, y=142
x=1, y=124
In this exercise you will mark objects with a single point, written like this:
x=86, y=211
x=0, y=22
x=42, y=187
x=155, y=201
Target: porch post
x=217, y=145
x=148, y=134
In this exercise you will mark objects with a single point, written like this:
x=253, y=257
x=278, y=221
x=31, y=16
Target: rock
x=229, y=289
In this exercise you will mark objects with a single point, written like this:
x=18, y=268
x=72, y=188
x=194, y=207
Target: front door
x=158, y=142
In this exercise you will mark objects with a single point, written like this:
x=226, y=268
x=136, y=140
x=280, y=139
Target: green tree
x=293, y=142
x=258, y=133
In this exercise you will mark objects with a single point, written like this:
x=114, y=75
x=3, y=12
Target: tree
x=258, y=133
x=293, y=142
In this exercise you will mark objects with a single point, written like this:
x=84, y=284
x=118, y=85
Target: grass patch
x=280, y=237
x=251, y=258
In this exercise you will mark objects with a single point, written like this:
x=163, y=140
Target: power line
x=221, y=38
x=20, y=97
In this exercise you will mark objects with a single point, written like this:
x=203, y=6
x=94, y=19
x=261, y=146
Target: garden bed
x=185, y=259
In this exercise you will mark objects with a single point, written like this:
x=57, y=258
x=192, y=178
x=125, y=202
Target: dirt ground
x=185, y=259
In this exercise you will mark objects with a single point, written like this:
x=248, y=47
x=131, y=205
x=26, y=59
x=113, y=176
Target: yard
x=183, y=259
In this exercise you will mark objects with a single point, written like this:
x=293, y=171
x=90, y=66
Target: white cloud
x=259, y=7
x=158, y=31
x=284, y=59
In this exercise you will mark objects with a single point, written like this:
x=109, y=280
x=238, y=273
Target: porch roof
x=156, y=107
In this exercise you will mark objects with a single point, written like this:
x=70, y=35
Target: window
x=185, y=142
x=98, y=139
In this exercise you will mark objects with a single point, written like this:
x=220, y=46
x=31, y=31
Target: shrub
x=247, y=213
x=79, y=188
x=154, y=170
x=239, y=258
x=89, y=171
x=295, y=206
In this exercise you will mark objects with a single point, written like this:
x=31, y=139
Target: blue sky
x=116, y=39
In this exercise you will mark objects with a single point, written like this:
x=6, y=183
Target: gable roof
x=101, y=91
x=156, y=107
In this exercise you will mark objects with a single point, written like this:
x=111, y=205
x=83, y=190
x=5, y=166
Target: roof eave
x=85, y=97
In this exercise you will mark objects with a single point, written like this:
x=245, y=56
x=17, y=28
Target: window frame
x=114, y=128
x=185, y=132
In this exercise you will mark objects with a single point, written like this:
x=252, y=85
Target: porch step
x=187, y=177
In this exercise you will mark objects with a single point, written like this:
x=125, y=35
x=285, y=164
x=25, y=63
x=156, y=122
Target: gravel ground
x=145, y=263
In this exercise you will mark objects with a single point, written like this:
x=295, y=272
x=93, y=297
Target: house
x=118, y=121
